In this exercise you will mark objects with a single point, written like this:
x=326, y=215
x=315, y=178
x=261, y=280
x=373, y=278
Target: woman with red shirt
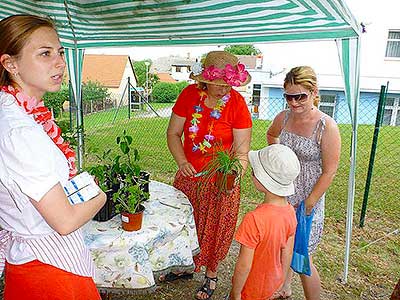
x=206, y=113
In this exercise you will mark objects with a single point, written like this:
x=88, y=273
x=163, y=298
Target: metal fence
x=147, y=123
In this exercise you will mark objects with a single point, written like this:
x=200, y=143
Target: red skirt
x=215, y=215
x=38, y=281
x=396, y=292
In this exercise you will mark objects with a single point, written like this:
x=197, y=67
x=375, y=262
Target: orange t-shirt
x=266, y=230
x=235, y=115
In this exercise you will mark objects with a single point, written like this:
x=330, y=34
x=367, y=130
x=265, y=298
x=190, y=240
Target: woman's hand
x=309, y=207
x=187, y=169
x=308, y=211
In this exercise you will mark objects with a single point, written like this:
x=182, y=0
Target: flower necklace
x=43, y=116
x=196, y=116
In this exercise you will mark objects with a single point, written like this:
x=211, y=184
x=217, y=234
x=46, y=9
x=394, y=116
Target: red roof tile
x=106, y=69
x=165, y=77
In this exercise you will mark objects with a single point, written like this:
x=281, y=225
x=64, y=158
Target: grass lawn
x=374, y=268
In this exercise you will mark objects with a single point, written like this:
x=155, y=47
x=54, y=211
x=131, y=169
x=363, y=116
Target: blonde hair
x=304, y=76
x=14, y=33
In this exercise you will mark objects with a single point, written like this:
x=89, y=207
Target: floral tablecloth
x=132, y=260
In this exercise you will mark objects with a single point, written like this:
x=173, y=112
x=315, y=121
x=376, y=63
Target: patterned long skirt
x=215, y=216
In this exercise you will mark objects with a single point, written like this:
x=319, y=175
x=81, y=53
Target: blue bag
x=300, y=260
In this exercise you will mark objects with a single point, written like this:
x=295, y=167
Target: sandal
x=206, y=287
x=170, y=277
x=282, y=295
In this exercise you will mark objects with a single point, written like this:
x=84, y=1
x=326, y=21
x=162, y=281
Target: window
x=327, y=104
x=391, y=115
x=256, y=94
x=393, y=44
x=178, y=69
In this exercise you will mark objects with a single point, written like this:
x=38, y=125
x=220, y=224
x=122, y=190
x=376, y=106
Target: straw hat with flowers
x=221, y=68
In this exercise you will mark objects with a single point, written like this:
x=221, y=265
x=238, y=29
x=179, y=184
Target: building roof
x=106, y=69
x=165, y=77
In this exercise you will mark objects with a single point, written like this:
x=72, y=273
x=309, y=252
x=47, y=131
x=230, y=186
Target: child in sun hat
x=266, y=234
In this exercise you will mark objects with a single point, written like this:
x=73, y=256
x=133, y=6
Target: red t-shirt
x=266, y=230
x=235, y=115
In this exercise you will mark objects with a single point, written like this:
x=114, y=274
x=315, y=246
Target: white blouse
x=30, y=165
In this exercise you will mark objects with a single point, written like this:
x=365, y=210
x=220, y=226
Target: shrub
x=181, y=85
x=54, y=101
x=165, y=92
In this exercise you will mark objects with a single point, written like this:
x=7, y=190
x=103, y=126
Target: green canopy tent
x=101, y=23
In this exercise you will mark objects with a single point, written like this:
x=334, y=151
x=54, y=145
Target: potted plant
x=116, y=172
x=106, y=177
x=224, y=168
x=128, y=201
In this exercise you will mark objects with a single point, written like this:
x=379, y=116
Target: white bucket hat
x=275, y=167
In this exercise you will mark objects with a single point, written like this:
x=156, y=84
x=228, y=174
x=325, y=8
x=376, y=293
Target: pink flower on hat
x=211, y=73
x=235, y=76
x=241, y=72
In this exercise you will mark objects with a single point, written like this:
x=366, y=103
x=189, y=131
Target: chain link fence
x=147, y=124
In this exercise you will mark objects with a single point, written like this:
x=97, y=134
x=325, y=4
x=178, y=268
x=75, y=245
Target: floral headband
x=233, y=76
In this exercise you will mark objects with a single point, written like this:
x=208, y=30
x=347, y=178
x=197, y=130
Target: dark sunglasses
x=301, y=97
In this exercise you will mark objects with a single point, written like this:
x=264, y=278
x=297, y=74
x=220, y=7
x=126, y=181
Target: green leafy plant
x=129, y=167
x=120, y=175
x=226, y=162
x=129, y=197
x=106, y=173
x=223, y=164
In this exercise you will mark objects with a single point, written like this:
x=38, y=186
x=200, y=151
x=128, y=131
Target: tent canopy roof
x=95, y=23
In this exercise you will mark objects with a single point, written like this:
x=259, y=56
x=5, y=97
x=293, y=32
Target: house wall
x=117, y=92
x=272, y=102
x=378, y=22
x=183, y=75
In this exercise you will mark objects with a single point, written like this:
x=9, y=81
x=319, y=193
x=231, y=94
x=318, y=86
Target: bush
x=181, y=85
x=54, y=101
x=165, y=92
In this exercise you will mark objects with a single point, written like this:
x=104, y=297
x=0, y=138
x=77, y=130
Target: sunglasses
x=301, y=97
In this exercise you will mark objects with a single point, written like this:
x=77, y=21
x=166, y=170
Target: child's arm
x=286, y=256
x=242, y=269
x=286, y=259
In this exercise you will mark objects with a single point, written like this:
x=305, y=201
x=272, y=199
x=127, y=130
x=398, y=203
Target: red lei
x=43, y=116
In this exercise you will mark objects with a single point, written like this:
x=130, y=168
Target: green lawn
x=380, y=260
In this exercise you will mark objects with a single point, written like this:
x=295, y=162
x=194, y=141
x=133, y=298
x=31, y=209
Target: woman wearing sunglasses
x=315, y=138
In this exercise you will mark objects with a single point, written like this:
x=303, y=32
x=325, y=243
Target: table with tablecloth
x=131, y=261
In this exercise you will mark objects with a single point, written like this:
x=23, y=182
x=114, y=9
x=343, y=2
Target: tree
x=140, y=71
x=94, y=96
x=54, y=101
x=93, y=91
x=245, y=49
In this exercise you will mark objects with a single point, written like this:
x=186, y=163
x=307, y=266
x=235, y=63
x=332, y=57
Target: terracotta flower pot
x=132, y=222
x=226, y=182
